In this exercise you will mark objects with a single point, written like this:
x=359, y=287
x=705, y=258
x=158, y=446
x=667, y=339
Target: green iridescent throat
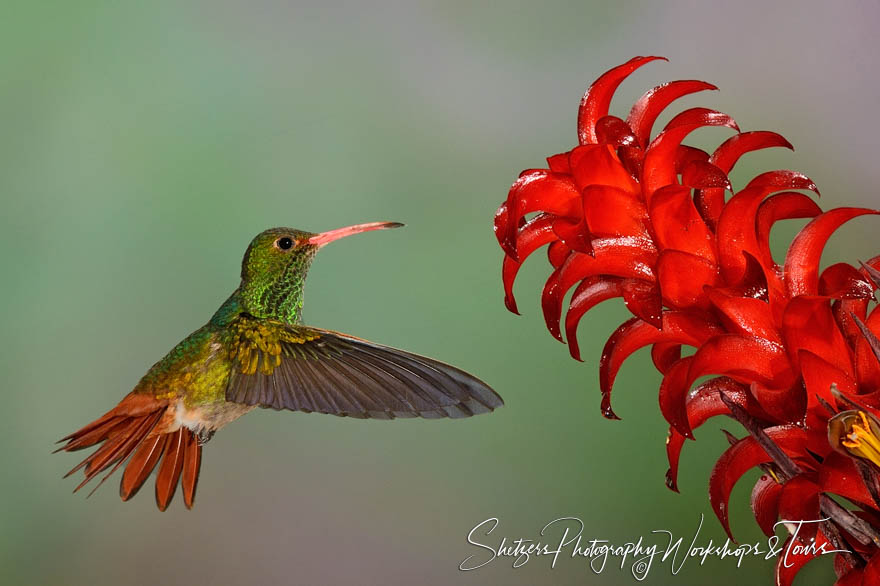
x=273, y=280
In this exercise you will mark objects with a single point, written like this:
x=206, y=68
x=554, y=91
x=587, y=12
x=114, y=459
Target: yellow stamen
x=859, y=435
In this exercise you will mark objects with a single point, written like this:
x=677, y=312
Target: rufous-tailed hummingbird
x=254, y=352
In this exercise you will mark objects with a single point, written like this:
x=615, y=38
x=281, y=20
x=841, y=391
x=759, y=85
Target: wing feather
x=320, y=371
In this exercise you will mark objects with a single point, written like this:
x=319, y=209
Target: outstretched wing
x=312, y=370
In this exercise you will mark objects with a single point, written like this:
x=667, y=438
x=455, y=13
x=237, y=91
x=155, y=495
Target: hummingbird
x=254, y=352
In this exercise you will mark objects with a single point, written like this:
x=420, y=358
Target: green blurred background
x=144, y=144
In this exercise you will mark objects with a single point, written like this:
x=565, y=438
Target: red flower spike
x=648, y=220
x=597, y=99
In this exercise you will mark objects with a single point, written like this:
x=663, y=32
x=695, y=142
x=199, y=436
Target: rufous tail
x=133, y=431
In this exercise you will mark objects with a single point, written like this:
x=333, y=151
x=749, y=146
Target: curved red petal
x=588, y=294
x=702, y=175
x=685, y=155
x=819, y=375
x=673, y=391
x=613, y=131
x=783, y=179
x=743, y=358
x=539, y=191
x=838, y=475
x=642, y=298
x=799, y=501
x=730, y=151
x=844, y=281
x=785, y=402
x=765, y=501
x=802, y=260
x=664, y=355
x=808, y=324
x=788, y=566
x=558, y=163
x=674, y=444
x=621, y=257
x=781, y=206
x=611, y=211
x=701, y=404
x=557, y=252
x=681, y=293
x=742, y=457
x=597, y=99
x=574, y=233
x=678, y=225
x=535, y=234
x=659, y=165
x=678, y=327
x=737, y=224
x=646, y=110
x=871, y=573
x=598, y=164
x=746, y=315
x=866, y=364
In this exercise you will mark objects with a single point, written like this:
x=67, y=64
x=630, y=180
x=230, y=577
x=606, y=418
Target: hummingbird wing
x=313, y=370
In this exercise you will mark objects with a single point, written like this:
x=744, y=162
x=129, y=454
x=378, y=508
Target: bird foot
x=204, y=436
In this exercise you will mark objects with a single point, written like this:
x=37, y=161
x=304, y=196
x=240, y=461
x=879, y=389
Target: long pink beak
x=331, y=235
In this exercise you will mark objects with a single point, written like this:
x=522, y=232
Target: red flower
x=647, y=219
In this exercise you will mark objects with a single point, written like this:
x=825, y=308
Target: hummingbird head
x=274, y=268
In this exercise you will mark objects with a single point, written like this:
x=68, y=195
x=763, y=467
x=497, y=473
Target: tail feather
x=133, y=432
x=169, y=470
x=141, y=465
x=192, y=462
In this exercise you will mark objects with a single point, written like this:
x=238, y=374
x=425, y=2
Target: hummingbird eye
x=284, y=243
